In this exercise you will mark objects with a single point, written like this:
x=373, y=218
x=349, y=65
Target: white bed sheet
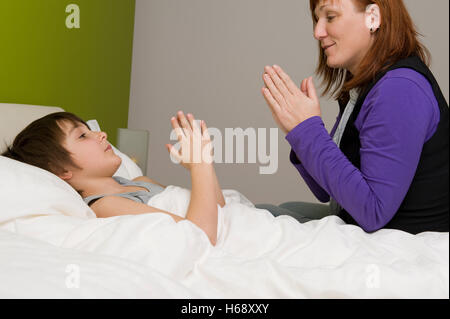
x=257, y=255
x=34, y=269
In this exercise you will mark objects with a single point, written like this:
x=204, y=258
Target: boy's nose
x=102, y=136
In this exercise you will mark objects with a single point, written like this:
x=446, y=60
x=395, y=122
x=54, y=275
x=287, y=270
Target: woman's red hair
x=396, y=39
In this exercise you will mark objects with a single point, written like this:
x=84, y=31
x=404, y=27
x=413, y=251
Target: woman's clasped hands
x=289, y=104
x=194, y=140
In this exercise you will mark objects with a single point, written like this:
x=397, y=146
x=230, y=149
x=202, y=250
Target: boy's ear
x=66, y=175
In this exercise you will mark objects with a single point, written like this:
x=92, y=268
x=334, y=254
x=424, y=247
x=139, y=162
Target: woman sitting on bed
x=385, y=163
x=63, y=144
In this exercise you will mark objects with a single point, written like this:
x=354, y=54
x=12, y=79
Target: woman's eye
x=330, y=18
x=83, y=135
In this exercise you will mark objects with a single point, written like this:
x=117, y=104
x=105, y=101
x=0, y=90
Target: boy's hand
x=196, y=149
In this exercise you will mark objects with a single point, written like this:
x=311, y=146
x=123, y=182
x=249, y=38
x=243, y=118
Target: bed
x=53, y=246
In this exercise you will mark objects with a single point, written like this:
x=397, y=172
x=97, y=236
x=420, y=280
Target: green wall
x=85, y=71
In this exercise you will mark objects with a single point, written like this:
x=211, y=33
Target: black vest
x=426, y=204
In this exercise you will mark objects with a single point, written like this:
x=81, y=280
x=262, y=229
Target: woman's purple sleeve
x=395, y=121
x=315, y=188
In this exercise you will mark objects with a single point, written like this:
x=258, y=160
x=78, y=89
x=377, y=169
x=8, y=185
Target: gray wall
x=207, y=57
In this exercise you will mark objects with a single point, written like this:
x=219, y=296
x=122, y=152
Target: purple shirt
x=398, y=116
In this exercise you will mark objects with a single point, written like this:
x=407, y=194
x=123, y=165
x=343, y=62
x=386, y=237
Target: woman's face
x=344, y=30
x=90, y=151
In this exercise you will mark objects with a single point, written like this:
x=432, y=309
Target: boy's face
x=89, y=150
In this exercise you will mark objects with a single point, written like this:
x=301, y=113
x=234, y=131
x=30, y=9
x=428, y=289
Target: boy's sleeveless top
x=139, y=196
x=426, y=204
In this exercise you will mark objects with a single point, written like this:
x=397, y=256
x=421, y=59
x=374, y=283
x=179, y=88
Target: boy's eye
x=83, y=135
x=330, y=18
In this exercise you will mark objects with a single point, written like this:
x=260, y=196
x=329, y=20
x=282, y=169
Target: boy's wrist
x=201, y=167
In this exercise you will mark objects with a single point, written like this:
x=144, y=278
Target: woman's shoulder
x=404, y=84
x=412, y=81
x=407, y=96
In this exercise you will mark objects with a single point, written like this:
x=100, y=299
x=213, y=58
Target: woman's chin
x=332, y=63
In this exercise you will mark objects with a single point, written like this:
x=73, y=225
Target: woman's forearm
x=202, y=208
x=315, y=188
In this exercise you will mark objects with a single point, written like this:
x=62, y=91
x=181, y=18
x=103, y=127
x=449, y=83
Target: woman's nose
x=320, y=31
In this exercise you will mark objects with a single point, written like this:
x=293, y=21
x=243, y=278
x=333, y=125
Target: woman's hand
x=289, y=104
x=196, y=149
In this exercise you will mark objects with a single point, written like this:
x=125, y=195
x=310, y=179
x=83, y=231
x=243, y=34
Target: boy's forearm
x=202, y=208
x=219, y=194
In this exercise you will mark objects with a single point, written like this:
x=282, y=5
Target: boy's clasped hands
x=194, y=140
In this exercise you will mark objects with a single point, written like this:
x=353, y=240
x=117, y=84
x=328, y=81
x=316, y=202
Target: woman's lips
x=326, y=48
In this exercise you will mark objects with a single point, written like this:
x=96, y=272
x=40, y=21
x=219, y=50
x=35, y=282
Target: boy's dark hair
x=40, y=143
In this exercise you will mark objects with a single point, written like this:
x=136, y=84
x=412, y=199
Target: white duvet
x=256, y=256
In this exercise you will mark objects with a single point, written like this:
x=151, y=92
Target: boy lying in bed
x=63, y=144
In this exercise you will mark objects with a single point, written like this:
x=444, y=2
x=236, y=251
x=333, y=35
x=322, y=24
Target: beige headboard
x=15, y=117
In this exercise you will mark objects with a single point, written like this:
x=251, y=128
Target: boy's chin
x=117, y=163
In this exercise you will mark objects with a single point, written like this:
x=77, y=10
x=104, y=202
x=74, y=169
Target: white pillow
x=128, y=168
x=28, y=190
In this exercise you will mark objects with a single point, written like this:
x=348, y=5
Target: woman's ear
x=373, y=17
